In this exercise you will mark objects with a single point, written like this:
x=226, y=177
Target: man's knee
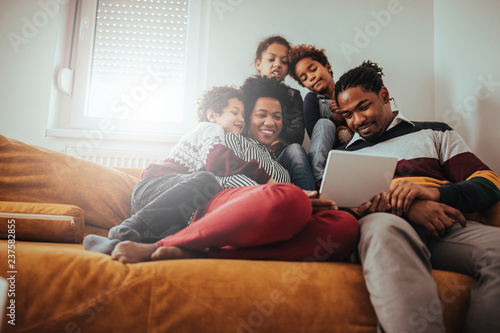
x=391, y=232
x=383, y=222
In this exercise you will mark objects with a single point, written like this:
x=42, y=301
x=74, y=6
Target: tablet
x=351, y=179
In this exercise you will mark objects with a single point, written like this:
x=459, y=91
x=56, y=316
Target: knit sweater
x=432, y=154
x=204, y=149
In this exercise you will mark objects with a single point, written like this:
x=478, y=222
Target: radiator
x=118, y=158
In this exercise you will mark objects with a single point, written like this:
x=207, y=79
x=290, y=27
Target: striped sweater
x=204, y=149
x=432, y=154
x=250, y=149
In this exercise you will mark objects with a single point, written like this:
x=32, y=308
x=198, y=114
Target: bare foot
x=174, y=252
x=128, y=252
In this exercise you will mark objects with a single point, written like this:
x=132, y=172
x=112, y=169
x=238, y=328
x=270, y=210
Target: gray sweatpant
x=397, y=268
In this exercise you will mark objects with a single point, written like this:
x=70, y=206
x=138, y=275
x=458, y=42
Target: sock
x=99, y=244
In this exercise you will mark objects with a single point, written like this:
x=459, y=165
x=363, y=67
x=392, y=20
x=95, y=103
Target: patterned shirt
x=204, y=149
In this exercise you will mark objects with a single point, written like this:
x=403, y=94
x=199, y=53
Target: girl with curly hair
x=326, y=127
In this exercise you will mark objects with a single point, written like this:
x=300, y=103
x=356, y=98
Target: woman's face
x=266, y=121
x=273, y=62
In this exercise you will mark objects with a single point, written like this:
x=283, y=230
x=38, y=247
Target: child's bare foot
x=174, y=252
x=128, y=252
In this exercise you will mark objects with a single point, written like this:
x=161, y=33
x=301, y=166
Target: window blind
x=132, y=35
x=138, y=64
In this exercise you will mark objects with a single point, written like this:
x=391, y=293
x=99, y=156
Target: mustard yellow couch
x=54, y=200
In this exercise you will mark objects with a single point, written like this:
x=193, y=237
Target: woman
x=272, y=221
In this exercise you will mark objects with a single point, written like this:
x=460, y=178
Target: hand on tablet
x=319, y=204
x=402, y=194
x=379, y=203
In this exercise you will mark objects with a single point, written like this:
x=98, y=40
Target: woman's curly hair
x=216, y=99
x=257, y=86
x=299, y=52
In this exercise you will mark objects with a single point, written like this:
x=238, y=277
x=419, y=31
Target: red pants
x=272, y=222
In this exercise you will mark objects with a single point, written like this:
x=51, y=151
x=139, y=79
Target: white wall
x=26, y=69
x=402, y=43
x=432, y=53
x=467, y=73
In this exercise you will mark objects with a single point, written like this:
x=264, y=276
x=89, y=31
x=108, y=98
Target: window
x=130, y=68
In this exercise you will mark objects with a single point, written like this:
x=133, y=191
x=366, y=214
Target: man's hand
x=320, y=204
x=379, y=203
x=402, y=194
x=436, y=217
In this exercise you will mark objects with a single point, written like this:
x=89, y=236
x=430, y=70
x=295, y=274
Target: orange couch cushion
x=38, y=175
x=42, y=222
x=62, y=284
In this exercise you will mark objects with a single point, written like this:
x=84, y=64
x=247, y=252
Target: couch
x=55, y=285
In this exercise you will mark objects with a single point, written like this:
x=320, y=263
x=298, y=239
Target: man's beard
x=372, y=137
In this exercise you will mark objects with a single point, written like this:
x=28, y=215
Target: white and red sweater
x=204, y=149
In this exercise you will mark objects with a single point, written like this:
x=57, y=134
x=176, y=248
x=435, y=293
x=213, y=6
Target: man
x=437, y=179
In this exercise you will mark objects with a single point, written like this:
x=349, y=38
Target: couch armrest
x=136, y=172
x=42, y=222
x=490, y=216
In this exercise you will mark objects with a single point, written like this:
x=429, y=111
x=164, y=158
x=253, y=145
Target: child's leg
x=322, y=141
x=166, y=205
x=329, y=235
x=295, y=159
x=246, y=217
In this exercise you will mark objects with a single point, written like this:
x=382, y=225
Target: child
x=271, y=60
x=198, y=167
x=326, y=128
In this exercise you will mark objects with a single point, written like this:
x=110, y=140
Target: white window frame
x=74, y=82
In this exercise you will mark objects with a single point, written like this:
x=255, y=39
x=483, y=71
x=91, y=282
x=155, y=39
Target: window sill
x=111, y=136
